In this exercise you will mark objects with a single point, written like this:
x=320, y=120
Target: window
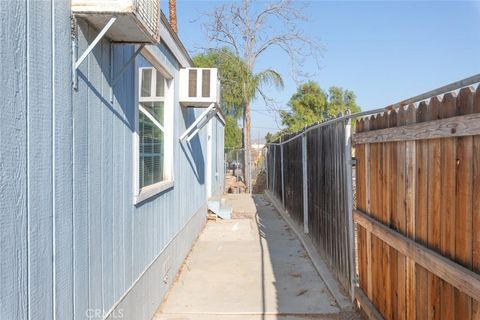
x=153, y=133
x=151, y=128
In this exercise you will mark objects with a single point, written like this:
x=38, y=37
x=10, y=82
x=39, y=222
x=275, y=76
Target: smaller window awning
x=212, y=111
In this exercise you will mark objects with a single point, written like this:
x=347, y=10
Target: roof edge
x=176, y=38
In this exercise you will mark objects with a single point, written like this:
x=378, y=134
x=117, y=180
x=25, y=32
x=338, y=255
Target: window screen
x=146, y=86
x=152, y=142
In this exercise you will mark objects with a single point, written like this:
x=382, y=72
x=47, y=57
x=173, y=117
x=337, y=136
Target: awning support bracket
x=199, y=123
x=92, y=45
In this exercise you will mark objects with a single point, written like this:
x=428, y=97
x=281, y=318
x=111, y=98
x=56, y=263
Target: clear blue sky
x=384, y=51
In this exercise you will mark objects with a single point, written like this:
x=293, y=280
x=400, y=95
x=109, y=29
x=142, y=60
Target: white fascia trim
x=174, y=44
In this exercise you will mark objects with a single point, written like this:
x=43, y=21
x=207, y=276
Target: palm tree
x=172, y=11
x=249, y=85
x=240, y=86
x=254, y=83
x=250, y=29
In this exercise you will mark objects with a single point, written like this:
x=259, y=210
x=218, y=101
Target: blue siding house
x=100, y=201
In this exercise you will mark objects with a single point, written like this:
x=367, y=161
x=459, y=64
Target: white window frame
x=142, y=194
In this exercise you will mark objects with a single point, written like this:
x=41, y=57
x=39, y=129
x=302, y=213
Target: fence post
x=283, y=181
x=249, y=158
x=273, y=169
x=266, y=164
x=305, y=183
x=349, y=194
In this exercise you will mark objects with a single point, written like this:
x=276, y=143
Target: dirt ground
x=234, y=184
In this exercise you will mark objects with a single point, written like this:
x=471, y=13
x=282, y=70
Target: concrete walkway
x=249, y=269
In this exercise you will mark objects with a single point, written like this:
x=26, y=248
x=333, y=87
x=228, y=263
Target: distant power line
x=265, y=110
x=266, y=128
x=265, y=113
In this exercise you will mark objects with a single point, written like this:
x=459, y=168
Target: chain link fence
x=237, y=180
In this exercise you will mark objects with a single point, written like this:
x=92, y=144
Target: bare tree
x=250, y=31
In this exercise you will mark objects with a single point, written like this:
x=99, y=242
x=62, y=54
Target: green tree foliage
x=239, y=87
x=229, y=69
x=311, y=104
x=340, y=100
x=232, y=95
x=271, y=137
x=233, y=134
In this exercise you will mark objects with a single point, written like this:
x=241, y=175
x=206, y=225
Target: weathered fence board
x=417, y=204
x=293, y=179
x=417, y=175
x=460, y=126
x=462, y=278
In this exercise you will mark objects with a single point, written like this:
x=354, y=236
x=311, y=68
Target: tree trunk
x=172, y=11
x=247, y=146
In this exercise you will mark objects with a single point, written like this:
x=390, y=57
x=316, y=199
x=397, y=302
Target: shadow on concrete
x=299, y=290
x=249, y=269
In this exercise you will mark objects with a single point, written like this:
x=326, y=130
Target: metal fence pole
x=305, y=183
x=349, y=195
x=236, y=170
x=282, y=173
x=250, y=166
x=266, y=165
x=273, y=171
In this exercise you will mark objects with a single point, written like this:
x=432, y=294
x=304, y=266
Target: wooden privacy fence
x=418, y=208
x=309, y=173
x=417, y=211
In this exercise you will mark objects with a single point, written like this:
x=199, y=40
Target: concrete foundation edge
x=145, y=296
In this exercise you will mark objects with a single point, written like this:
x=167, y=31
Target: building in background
x=100, y=201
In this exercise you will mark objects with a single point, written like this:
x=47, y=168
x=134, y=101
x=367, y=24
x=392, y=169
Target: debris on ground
x=211, y=216
x=260, y=183
x=295, y=274
x=234, y=184
x=301, y=292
